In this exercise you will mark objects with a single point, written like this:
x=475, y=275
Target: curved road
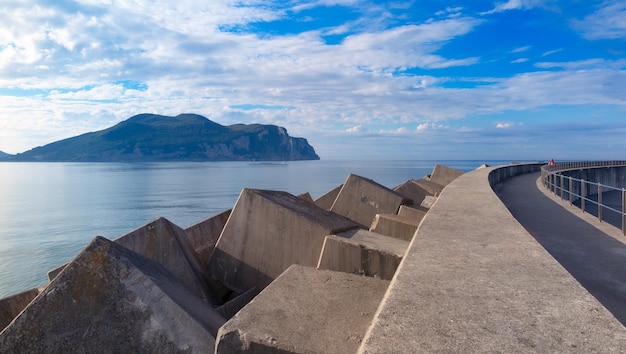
x=596, y=259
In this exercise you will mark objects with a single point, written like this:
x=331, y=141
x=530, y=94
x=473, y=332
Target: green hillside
x=186, y=137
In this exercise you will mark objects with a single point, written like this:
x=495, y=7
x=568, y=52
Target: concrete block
x=203, y=236
x=392, y=225
x=362, y=252
x=266, y=233
x=229, y=309
x=113, y=300
x=307, y=197
x=428, y=202
x=413, y=212
x=12, y=305
x=54, y=272
x=326, y=201
x=305, y=310
x=432, y=187
x=360, y=199
x=413, y=191
x=167, y=244
x=444, y=175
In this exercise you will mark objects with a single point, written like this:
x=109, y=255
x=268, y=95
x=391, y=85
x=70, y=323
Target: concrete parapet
x=396, y=226
x=167, y=244
x=444, y=175
x=360, y=199
x=413, y=212
x=413, y=191
x=11, y=306
x=114, y=300
x=326, y=201
x=203, y=236
x=482, y=283
x=305, y=310
x=267, y=232
x=362, y=252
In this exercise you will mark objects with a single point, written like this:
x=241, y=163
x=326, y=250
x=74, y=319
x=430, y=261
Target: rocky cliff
x=186, y=137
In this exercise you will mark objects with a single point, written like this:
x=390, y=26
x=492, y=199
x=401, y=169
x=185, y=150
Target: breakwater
x=434, y=264
x=162, y=288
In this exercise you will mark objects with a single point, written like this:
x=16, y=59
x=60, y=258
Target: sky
x=426, y=80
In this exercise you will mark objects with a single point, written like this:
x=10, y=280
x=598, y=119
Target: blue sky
x=510, y=79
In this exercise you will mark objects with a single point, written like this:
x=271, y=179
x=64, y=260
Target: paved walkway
x=593, y=252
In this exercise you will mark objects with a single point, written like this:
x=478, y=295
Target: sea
x=50, y=211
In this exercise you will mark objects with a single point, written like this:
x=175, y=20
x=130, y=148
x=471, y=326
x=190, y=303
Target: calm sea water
x=50, y=211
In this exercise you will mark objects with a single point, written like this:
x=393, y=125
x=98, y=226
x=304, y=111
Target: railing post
x=599, y=202
x=562, y=187
x=570, y=190
x=623, y=211
x=582, y=194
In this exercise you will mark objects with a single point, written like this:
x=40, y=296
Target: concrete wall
x=610, y=176
x=474, y=280
x=203, y=236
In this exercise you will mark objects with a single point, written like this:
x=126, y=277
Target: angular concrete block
x=360, y=199
x=432, y=187
x=307, y=197
x=396, y=226
x=267, y=232
x=413, y=191
x=428, y=202
x=230, y=308
x=114, y=300
x=413, y=212
x=326, y=201
x=203, y=236
x=444, y=175
x=363, y=252
x=12, y=305
x=167, y=244
x=305, y=310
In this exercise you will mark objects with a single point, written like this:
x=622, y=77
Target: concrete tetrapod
x=114, y=300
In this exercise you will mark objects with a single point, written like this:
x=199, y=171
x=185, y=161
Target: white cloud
x=519, y=60
x=504, y=125
x=515, y=5
x=521, y=49
x=608, y=22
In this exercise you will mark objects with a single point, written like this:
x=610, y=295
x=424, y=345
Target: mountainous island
x=3, y=154
x=186, y=137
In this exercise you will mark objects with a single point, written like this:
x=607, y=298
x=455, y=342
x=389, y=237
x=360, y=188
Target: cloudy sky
x=421, y=79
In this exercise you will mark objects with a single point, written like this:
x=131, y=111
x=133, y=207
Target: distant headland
x=186, y=137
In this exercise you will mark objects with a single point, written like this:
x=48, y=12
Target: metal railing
x=588, y=194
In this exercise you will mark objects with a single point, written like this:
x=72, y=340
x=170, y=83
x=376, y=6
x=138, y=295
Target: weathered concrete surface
x=54, y=272
x=111, y=299
x=428, y=202
x=413, y=191
x=474, y=280
x=444, y=175
x=396, y=226
x=360, y=199
x=307, y=197
x=12, y=305
x=167, y=244
x=203, y=236
x=229, y=309
x=416, y=213
x=432, y=187
x=267, y=232
x=305, y=310
x=362, y=252
x=326, y=201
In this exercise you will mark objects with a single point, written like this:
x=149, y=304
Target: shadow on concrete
x=594, y=258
